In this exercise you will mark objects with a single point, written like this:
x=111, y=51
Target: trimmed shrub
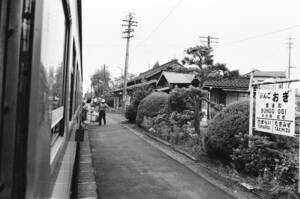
x=151, y=106
x=130, y=113
x=138, y=95
x=131, y=110
x=220, y=139
x=177, y=101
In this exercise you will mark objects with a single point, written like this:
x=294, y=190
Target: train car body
x=40, y=96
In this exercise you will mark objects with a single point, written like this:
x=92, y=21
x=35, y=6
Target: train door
x=15, y=65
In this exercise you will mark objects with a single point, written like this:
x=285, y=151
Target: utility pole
x=290, y=45
x=209, y=40
x=129, y=23
x=104, y=86
x=91, y=91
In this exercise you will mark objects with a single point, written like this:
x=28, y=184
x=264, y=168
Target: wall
x=232, y=97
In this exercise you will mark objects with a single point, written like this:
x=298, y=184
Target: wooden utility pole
x=290, y=45
x=104, y=86
x=251, y=90
x=209, y=40
x=129, y=23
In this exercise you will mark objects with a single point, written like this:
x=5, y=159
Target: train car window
x=72, y=83
x=77, y=85
x=77, y=88
x=79, y=93
x=53, y=59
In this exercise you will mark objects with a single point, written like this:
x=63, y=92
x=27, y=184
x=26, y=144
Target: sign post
x=251, y=88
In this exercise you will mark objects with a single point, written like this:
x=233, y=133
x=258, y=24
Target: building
x=148, y=79
x=169, y=80
x=260, y=76
x=227, y=91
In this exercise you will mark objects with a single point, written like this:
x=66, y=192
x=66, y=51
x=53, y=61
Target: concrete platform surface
x=127, y=167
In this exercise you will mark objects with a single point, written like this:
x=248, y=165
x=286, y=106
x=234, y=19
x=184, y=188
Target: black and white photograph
x=160, y=99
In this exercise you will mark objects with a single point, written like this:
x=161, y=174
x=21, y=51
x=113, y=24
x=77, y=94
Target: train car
x=40, y=96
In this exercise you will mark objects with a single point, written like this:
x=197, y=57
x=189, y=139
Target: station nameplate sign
x=275, y=111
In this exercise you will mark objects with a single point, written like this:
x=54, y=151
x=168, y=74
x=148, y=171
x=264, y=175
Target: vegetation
x=178, y=100
x=270, y=159
x=119, y=81
x=196, y=96
x=131, y=110
x=100, y=82
x=156, y=65
x=198, y=55
x=202, y=57
x=220, y=140
x=130, y=113
x=151, y=105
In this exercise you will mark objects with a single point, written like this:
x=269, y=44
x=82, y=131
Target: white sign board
x=275, y=111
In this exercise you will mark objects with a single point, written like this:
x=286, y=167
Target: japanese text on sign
x=275, y=111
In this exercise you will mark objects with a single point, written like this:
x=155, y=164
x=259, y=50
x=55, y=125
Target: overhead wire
x=261, y=35
x=159, y=24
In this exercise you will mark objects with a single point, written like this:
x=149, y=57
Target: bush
x=262, y=156
x=139, y=95
x=130, y=113
x=284, y=192
x=220, y=139
x=275, y=166
x=131, y=110
x=177, y=101
x=151, y=106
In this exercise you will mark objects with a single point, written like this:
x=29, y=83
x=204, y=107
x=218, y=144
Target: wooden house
x=170, y=80
x=226, y=91
x=148, y=78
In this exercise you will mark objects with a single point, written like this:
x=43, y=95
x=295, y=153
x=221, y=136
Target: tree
x=202, y=57
x=156, y=65
x=198, y=55
x=100, y=81
x=219, y=70
x=182, y=98
x=119, y=81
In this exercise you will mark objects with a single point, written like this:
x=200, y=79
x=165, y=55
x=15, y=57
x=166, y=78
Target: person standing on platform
x=102, y=112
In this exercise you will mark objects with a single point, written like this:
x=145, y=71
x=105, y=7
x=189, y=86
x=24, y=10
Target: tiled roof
x=137, y=85
x=177, y=78
x=158, y=69
x=142, y=84
x=238, y=84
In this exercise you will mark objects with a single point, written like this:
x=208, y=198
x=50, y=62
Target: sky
x=253, y=34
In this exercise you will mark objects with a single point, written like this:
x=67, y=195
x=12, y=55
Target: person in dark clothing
x=102, y=112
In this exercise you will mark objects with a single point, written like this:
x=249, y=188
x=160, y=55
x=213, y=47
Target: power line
x=160, y=23
x=262, y=35
x=226, y=43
